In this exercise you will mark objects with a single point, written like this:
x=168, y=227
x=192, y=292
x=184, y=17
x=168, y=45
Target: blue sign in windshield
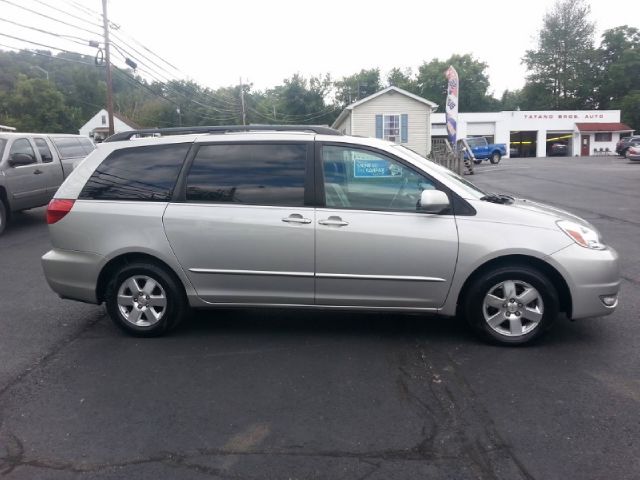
x=373, y=166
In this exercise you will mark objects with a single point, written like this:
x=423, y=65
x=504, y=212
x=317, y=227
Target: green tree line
x=42, y=91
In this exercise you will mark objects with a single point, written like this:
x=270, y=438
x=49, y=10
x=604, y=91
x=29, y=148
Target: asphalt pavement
x=269, y=394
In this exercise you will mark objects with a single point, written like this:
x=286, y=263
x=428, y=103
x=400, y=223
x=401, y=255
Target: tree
x=296, y=101
x=511, y=100
x=619, y=65
x=474, y=83
x=35, y=105
x=562, y=68
x=357, y=86
x=630, y=106
x=402, y=78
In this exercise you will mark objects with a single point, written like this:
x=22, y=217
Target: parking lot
x=248, y=394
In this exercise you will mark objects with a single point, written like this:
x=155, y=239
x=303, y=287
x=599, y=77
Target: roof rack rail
x=221, y=129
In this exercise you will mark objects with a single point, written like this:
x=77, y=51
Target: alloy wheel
x=142, y=301
x=513, y=308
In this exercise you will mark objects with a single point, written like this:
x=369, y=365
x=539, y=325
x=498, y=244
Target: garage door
x=481, y=129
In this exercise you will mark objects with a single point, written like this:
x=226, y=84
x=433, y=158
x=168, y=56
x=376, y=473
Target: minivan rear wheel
x=144, y=300
x=511, y=305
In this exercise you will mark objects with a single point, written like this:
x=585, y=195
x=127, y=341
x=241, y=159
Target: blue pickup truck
x=486, y=151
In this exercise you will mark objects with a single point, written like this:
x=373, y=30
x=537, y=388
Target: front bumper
x=590, y=275
x=72, y=274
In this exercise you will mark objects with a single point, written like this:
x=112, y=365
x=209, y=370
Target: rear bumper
x=72, y=274
x=590, y=275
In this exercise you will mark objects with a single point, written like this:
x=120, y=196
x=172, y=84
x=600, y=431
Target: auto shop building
x=542, y=133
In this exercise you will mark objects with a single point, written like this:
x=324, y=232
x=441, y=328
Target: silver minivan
x=306, y=217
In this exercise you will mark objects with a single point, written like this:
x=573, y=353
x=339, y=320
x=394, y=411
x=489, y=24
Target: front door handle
x=296, y=218
x=333, y=221
x=37, y=172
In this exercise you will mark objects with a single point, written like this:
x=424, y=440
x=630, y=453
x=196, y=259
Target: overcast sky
x=217, y=42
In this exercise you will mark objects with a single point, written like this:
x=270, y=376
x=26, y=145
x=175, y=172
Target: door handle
x=37, y=172
x=296, y=218
x=333, y=221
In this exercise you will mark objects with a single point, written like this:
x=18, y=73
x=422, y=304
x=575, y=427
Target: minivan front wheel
x=511, y=305
x=144, y=300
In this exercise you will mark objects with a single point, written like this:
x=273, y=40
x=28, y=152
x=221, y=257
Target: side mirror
x=21, y=159
x=433, y=201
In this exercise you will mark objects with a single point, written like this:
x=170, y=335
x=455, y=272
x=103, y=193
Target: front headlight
x=584, y=236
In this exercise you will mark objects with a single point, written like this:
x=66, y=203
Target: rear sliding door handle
x=333, y=221
x=296, y=218
x=37, y=172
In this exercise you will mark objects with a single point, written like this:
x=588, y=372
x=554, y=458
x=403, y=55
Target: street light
x=42, y=70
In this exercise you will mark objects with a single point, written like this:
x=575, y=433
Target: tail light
x=57, y=209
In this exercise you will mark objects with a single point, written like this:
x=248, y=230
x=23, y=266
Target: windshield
x=3, y=142
x=466, y=185
x=477, y=142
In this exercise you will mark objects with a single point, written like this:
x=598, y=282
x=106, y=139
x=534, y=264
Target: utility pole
x=244, y=113
x=107, y=59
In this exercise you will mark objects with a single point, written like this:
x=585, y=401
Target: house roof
x=603, y=127
x=124, y=119
x=413, y=96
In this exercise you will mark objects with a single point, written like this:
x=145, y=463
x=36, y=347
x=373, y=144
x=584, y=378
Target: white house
x=393, y=114
x=98, y=126
x=542, y=133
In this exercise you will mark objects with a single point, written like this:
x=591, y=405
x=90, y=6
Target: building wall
x=611, y=145
x=541, y=122
x=96, y=122
x=394, y=103
x=345, y=126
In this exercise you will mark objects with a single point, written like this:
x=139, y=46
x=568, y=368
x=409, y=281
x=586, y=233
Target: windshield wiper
x=497, y=198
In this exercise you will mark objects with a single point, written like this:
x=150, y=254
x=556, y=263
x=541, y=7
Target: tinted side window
x=137, y=173
x=364, y=180
x=87, y=145
x=22, y=145
x=248, y=174
x=69, y=147
x=43, y=148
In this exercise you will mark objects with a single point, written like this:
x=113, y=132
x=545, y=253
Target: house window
x=391, y=128
x=603, y=137
x=104, y=119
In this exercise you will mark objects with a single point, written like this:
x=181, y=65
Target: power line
x=79, y=6
x=33, y=52
x=167, y=86
x=70, y=38
x=67, y=13
x=40, y=44
x=174, y=91
x=49, y=17
x=141, y=55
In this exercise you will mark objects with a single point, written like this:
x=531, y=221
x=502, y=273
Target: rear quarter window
x=137, y=173
x=69, y=147
x=87, y=145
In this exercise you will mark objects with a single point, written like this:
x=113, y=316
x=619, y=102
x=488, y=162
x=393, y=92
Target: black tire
x=495, y=158
x=3, y=217
x=474, y=309
x=170, y=315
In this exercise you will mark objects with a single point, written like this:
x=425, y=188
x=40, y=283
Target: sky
x=216, y=43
